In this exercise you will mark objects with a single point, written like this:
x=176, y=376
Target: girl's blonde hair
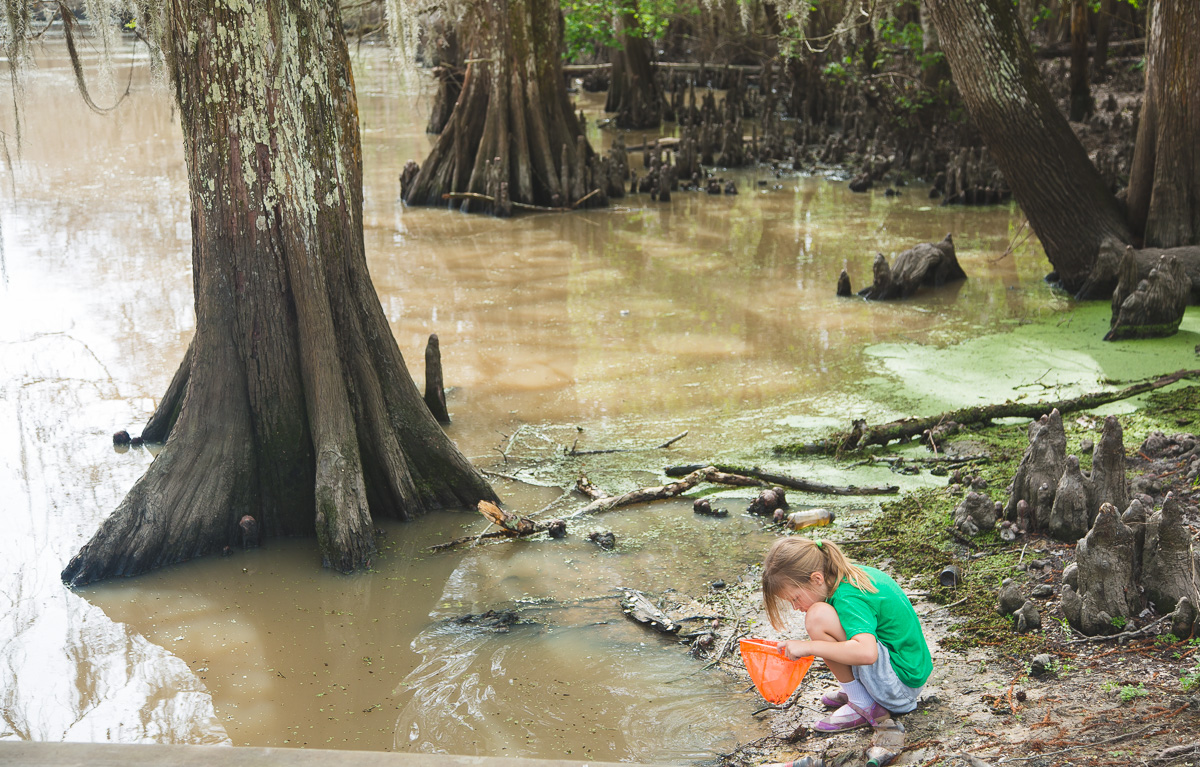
x=791, y=561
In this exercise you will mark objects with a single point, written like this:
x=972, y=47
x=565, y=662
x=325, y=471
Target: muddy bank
x=1002, y=688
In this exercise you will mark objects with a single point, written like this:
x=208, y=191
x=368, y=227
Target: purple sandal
x=835, y=698
x=857, y=717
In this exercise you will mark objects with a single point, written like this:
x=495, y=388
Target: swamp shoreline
x=1046, y=697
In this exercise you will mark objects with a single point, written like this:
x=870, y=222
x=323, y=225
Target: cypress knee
x=435, y=392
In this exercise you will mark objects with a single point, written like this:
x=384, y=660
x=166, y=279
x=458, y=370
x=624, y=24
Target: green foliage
x=1189, y=681
x=1119, y=622
x=1129, y=693
x=590, y=23
x=912, y=531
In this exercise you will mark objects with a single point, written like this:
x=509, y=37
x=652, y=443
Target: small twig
x=565, y=495
x=590, y=194
x=491, y=473
x=673, y=440
x=668, y=443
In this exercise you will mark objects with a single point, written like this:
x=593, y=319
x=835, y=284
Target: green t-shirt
x=890, y=618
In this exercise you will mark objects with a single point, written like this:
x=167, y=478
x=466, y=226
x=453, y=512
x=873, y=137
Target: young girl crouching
x=859, y=622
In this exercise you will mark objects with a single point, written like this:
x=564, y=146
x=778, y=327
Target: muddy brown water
x=600, y=329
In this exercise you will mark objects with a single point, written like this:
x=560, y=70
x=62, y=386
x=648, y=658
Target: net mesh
x=774, y=675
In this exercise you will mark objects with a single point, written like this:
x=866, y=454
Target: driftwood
x=520, y=205
x=510, y=526
x=722, y=475
x=925, y=264
x=646, y=494
x=907, y=429
x=638, y=607
x=738, y=475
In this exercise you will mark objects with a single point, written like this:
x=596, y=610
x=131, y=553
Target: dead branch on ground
x=906, y=429
x=769, y=478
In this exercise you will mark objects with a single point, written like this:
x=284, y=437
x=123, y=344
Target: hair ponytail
x=791, y=561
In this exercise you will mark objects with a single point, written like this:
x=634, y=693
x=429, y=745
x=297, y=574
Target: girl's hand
x=793, y=649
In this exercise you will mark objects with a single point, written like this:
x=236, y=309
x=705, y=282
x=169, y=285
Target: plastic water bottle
x=886, y=743
x=798, y=520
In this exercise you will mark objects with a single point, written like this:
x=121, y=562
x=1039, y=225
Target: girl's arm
x=858, y=650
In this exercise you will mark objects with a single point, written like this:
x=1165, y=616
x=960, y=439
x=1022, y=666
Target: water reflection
x=575, y=677
x=603, y=328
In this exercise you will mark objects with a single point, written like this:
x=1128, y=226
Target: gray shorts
x=884, y=686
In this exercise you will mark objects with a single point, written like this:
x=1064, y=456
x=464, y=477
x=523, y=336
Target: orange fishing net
x=774, y=675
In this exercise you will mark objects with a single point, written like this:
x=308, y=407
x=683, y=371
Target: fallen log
x=738, y=475
x=907, y=429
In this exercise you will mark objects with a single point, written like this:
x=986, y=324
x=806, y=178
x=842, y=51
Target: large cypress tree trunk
x=1060, y=191
x=633, y=91
x=293, y=404
x=513, y=134
x=1164, y=180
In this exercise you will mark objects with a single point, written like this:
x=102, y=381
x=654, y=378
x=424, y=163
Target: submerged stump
x=927, y=264
x=1155, y=307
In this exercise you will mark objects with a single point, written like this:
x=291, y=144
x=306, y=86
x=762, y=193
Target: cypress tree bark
x=633, y=91
x=513, y=135
x=1164, y=180
x=1047, y=168
x=293, y=404
x=1081, y=92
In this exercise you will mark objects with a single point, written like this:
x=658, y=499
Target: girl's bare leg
x=822, y=623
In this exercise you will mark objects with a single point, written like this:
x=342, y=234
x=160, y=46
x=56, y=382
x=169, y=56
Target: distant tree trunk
x=633, y=91
x=447, y=60
x=936, y=71
x=1081, y=92
x=1067, y=203
x=293, y=404
x=1103, y=28
x=1164, y=180
x=513, y=135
